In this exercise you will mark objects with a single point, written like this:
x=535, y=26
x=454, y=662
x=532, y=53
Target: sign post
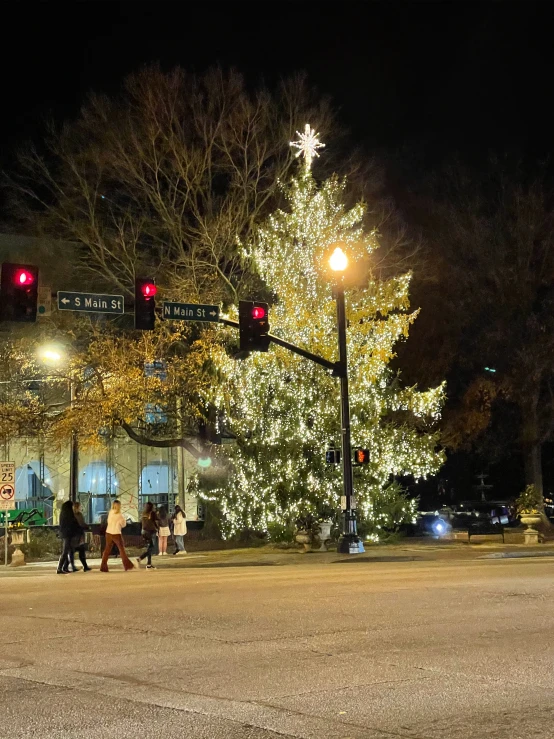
x=91, y=302
x=7, y=498
x=44, y=301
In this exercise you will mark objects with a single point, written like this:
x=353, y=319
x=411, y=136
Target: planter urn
x=324, y=535
x=531, y=520
x=18, y=537
x=303, y=537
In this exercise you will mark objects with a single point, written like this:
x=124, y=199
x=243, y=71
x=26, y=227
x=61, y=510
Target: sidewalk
x=424, y=550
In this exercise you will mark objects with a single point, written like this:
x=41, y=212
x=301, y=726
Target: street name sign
x=91, y=302
x=7, y=486
x=191, y=312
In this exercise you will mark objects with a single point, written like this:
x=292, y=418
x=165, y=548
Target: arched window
x=97, y=487
x=156, y=484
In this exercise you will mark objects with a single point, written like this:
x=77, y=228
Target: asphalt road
x=352, y=650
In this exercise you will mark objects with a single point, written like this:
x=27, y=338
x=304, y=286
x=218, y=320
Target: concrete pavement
x=361, y=649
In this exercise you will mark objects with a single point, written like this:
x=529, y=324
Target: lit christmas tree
x=285, y=410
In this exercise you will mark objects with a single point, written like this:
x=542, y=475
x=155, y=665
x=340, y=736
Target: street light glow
x=338, y=260
x=51, y=355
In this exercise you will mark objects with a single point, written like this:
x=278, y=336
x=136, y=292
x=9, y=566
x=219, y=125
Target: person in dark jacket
x=79, y=543
x=69, y=528
x=149, y=525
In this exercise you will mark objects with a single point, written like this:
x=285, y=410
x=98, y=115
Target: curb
x=516, y=555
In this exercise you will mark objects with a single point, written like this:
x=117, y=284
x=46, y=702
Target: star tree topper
x=308, y=143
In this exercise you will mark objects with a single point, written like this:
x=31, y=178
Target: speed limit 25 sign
x=7, y=486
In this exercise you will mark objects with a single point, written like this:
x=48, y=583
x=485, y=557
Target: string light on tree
x=283, y=409
x=308, y=144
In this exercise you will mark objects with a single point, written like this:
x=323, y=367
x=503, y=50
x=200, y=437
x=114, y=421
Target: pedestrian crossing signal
x=332, y=456
x=360, y=456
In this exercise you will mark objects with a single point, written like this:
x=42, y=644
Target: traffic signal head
x=253, y=326
x=18, y=292
x=145, y=304
x=360, y=456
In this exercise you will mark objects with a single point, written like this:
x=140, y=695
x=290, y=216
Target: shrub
x=280, y=532
x=529, y=501
x=43, y=544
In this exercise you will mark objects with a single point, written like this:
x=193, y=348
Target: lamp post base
x=350, y=544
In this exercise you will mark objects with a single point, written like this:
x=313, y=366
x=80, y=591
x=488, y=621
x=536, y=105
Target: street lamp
x=350, y=542
x=53, y=355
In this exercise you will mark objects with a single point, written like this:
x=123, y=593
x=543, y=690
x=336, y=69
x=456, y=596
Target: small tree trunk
x=532, y=446
x=533, y=466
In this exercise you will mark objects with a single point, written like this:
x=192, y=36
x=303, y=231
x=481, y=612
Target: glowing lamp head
x=149, y=289
x=338, y=260
x=23, y=278
x=258, y=312
x=52, y=354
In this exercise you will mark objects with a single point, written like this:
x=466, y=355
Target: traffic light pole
x=333, y=366
x=349, y=541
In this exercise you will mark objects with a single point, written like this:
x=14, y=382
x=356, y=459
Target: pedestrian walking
x=69, y=529
x=179, y=530
x=149, y=526
x=116, y=522
x=156, y=550
x=80, y=543
x=163, y=531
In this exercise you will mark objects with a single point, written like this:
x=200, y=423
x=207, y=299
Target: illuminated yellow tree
x=284, y=410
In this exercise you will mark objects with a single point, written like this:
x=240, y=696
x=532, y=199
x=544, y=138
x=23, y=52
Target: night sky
x=424, y=78
x=430, y=76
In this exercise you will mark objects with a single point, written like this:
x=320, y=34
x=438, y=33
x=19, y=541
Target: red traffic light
x=258, y=312
x=18, y=292
x=148, y=289
x=253, y=326
x=145, y=303
x=23, y=278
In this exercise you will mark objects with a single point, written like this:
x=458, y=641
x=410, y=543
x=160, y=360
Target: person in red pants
x=116, y=522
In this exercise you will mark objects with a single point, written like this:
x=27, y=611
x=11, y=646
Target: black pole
x=73, y=457
x=349, y=542
x=333, y=366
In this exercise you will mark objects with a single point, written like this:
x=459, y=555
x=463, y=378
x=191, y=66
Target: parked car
x=494, y=511
x=430, y=523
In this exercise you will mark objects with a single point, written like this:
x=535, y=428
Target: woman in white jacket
x=116, y=522
x=179, y=529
